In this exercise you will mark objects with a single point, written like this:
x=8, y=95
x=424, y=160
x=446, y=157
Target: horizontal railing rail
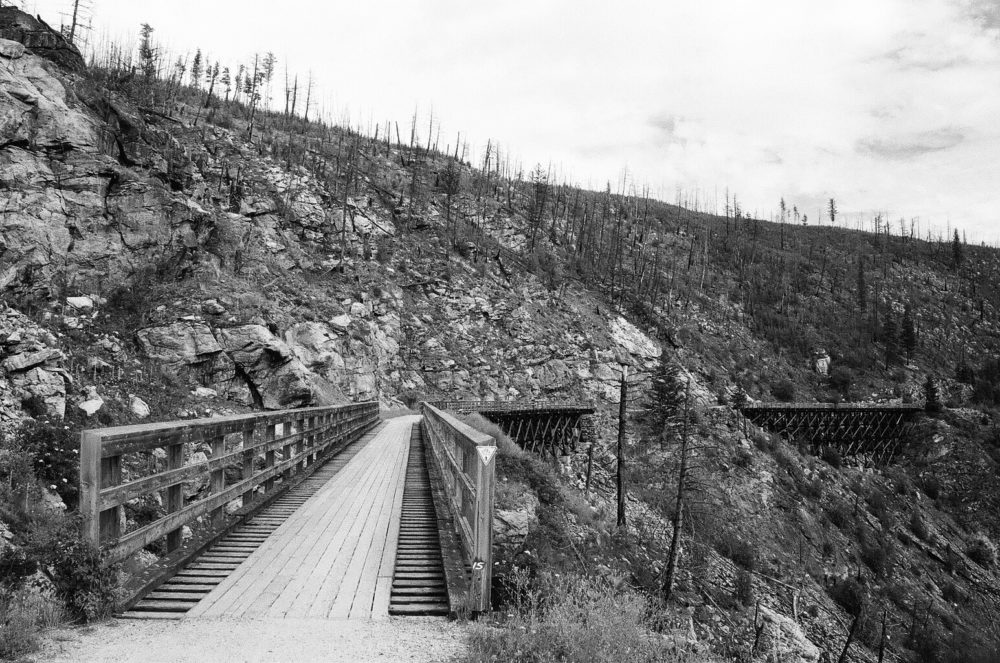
x=466, y=461
x=299, y=436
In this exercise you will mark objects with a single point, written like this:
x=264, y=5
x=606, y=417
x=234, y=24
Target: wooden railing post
x=248, y=459
x=90, y=486
x=218, y=480
x=286, y=449
x=311, y=441
x=269, y=455
x=175, y=494
x=482, y=563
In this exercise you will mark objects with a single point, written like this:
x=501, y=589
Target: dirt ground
x=424, y=640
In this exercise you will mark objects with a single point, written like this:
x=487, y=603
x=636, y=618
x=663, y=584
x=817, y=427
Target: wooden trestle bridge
x=547, y=428
x=872, y=431
x=314, y=513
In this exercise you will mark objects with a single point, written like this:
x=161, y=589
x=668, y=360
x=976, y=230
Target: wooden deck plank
x=261, y=567
x=357, y=604
x=367, y=602
x=335, y=573
x=319, y=535
x=299, y=594
x=333, y=549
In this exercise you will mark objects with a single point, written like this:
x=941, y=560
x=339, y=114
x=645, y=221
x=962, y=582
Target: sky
x=888, y=106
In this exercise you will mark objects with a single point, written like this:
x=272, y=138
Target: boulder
x=341, y=322
x=188, y=347
x=25, y=360
x=276, y=377
x=39, y=38
x=83, y=304
x=47, y=386
x=821, y=362
x=138, y=406
x=11, y=49
x=204, y=392
x=785, y=638
x=93, y=403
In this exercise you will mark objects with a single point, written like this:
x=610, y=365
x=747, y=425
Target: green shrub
x=784, y=391
x=574, y=619
x=878, y=556
x=839, y=514
x=849, y=595
x=83, y=579
x=982, y=550
x=931, y=486
x=55, y=454
x=15, y=568
x=841, y=380
x=505, y=446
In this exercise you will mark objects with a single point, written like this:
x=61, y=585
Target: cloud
x=910, y=146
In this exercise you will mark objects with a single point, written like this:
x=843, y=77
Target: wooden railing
x=301, y=436
x=466, y=462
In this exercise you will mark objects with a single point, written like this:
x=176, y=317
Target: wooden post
x=90, y=486
x=175, y=493
x=269, y=456
x=311, y=441
x=248, y=458
x=286, y=449
x=111, y=475
x=218, y=480
x=300, y=445
x=482, y=562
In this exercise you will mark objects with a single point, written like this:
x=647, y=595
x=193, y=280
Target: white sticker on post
x=486, y=453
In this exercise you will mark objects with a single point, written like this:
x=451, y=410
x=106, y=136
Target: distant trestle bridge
x=547, y=428
x=870, y=430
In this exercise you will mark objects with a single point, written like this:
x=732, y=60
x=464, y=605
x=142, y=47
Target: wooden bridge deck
x=334, y=557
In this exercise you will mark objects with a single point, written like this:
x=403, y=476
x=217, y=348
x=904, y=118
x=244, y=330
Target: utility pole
x=620, y=479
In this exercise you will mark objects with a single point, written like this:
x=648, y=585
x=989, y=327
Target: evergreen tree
x=908, y=333
x=196, y=69
x=666, y=399
x=956, y=251
x=147, y=54
x=226, y=82
x=932, y=402
x=832, y=210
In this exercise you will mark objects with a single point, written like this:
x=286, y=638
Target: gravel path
x=411, y=639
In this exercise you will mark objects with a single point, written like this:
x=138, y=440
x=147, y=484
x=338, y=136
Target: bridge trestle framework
x=873, y=432
x=542, y=427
